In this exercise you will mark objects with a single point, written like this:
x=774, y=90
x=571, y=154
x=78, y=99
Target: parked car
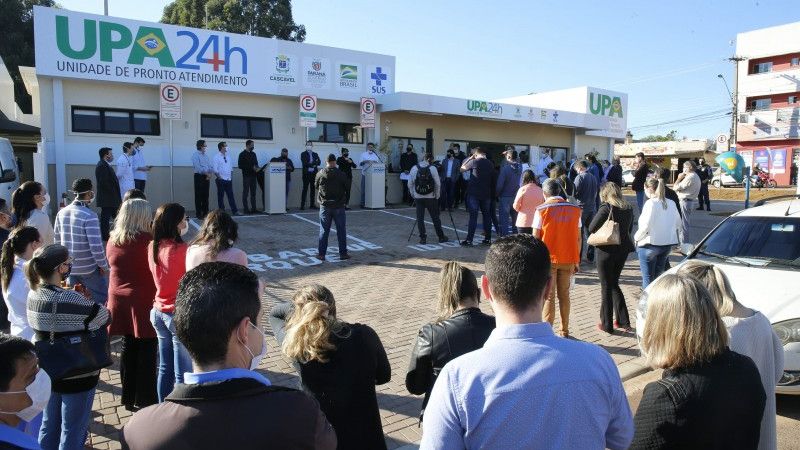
x=9, y=172
x=723, y=179
x=759, y=251
x=627, y=177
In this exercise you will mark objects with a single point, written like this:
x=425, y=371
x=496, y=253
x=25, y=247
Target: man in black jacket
x=331, y=186
x=310, y=161
x=706, y=173
x=248, y=163
x=346, y=165
x=109, y=197
x=639, y=177
x=408, y=160
x=218, y=319
x=615, y=173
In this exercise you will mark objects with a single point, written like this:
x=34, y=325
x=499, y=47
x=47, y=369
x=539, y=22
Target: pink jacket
x=529, y=197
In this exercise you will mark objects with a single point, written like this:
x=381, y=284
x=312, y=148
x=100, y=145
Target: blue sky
x=666, y=55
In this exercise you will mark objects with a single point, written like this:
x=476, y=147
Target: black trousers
x=139, y=184
x=407, y=198
x=460, y=191
x=347, y=191
x=308, y=184
x=703, y=197
x=612, y=303
x=106, y=214
x=201, y=186
x=138, y=369
x=432, y=205
x=249, y=190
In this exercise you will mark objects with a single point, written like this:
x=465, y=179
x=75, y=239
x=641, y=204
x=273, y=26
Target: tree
x=671, y=136
x=16, y=45
x=265, y=18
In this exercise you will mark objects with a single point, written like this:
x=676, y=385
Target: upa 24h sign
x=86, y=46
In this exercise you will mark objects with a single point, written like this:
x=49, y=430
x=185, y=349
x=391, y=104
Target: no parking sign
x=171, y=100
x=308, y=111
x=367, y=112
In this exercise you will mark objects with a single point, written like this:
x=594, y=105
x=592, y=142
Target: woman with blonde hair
x=751, y=335
x=659, y=229
x=460, y=328
x=709, y=396
x=130, y=298
x=610, y=259
x=339, y=364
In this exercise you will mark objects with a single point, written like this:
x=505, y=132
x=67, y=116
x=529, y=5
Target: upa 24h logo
x=605, y=105
x=149, y=42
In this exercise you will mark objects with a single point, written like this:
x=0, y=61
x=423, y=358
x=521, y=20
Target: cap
x=50, y=256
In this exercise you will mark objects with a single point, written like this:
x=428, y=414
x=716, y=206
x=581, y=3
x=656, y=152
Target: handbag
x=72, y=354
x=608, y=234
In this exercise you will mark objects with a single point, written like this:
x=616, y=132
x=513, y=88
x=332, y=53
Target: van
x=9, y=172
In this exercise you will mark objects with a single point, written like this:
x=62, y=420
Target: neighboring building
x=769, y=99
x=98, y=85
x=19, y=128
x=669, y=154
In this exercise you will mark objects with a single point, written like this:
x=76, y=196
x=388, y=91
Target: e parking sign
x=368, y=106
x=171, y=96
x=308, y=111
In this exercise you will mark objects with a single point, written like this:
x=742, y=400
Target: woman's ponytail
x=32, y=274
x=309, y=327
x=15, y=245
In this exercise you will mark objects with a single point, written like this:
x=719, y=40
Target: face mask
x=64, y=276
x=256, y=359
x=184, y=230
x=46, y=200
x=370, y=150
x=308, y=147
x=39, y=392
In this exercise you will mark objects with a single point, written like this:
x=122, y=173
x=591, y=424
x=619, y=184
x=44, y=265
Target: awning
x=684, y=149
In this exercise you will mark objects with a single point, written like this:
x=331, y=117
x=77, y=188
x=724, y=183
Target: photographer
x=424, y=184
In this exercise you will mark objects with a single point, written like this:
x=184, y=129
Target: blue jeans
x=326, y=216
x=652, y=261
x=485, y=206
x=65, y=423
x=507, y=212
x=225, y=187
x=173, y=359
x=640, y=200
x=96, y=284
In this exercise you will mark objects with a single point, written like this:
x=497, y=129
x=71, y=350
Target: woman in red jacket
x=130, y=299
x=166, y=256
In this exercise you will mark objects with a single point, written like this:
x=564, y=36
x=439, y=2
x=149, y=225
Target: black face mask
x=345, y=154
x=408, y=150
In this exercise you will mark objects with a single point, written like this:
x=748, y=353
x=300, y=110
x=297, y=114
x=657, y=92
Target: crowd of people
x=190, y=321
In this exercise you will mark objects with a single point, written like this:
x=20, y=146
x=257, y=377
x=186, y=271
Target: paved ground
x=390, y=284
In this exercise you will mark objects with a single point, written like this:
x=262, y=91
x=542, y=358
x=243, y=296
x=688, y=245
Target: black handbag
x=70, y=354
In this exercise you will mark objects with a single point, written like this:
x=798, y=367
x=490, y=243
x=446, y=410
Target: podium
x=375, y=186
x=275, y=188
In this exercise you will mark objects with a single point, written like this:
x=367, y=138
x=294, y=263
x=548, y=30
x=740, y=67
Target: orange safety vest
x=560, y=230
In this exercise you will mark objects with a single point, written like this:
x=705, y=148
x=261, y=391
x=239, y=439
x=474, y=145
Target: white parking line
x=333, y=229
x=415, y=219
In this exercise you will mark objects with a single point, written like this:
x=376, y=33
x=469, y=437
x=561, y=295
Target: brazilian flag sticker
x=151, y=44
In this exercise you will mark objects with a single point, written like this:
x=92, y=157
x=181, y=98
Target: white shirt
x=689, y=187
x=125, y=165
x=40, y=220
x=138, y=161
x=367, y=159
x=659, y=226
x=16, y=298
x=541, y=168
x=223, y=166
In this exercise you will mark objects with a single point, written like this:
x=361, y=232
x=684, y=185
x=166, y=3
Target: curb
x=633, y=368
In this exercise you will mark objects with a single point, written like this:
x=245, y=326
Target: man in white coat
x=541, y=167
x=687, y=186
x=124, y=170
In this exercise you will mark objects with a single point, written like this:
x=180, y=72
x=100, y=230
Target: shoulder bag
x=73, y=353
x=608, y=234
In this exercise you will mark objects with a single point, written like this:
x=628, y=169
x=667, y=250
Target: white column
x=59, y=153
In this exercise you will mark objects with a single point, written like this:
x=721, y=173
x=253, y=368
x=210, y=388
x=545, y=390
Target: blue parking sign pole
x=746, y=187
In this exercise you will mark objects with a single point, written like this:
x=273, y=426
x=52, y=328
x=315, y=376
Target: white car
x=627, y=177
x=759, y=251
x=724, y=180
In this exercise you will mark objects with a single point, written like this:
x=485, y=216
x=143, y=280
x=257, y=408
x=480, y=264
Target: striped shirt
x=78, y=229
x=73, y=310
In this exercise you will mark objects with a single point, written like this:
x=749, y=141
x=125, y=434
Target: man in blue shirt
x=526, y=388
x=224, y=403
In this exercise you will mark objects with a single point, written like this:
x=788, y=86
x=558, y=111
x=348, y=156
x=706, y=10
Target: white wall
x=586, y=144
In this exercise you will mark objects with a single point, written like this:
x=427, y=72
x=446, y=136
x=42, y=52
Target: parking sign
x=308, y=111
x=367, y=112
x=171, y=98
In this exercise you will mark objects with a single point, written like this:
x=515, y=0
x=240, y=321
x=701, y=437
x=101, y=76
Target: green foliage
x=671, y=136
x=265, y=18
x=16, y=45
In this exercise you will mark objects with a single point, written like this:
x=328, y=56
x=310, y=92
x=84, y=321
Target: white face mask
x=185, y=229
x=308, y=147
x=46, y=200
x=39, y=392
x=256, y=359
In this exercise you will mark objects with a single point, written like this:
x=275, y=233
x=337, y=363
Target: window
x=762, y=67
x=795, y=61
x=792, y=99
x=235, y=127
x=760, y=104
x=344, y=133
x=114, y=121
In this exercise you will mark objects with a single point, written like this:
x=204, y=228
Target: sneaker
x=423, y=240
x=320, y=257
x=344, y=257
x=486, y=242
x=443, y=239
x=466, y=243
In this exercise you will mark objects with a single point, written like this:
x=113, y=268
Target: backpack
x=423, y=182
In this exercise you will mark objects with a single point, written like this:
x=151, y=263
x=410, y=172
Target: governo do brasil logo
x=105, y=38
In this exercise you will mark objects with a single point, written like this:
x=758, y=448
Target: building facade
x=768, y=126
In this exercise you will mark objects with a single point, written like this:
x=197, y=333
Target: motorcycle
x=763, y=179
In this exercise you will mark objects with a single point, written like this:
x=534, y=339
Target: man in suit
x=109, y=198
x=450, y=175
x=310, y=160
x=248, y=163
x=346, y=165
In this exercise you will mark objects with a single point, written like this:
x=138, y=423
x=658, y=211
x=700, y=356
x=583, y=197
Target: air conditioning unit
x=744, y=118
